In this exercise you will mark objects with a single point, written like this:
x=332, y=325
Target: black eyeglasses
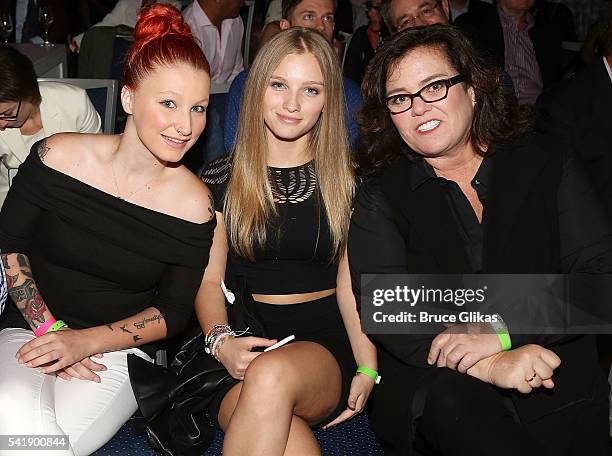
x=13, y=117
x=432, y=92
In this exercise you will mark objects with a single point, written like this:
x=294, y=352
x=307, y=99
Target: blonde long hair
x=249, y=204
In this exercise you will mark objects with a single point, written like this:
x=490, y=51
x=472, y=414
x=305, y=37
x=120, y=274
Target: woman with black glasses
x=457, y=182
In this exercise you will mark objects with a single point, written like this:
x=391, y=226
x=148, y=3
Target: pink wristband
x=42, y=329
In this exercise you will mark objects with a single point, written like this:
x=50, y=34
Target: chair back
x=103, y=96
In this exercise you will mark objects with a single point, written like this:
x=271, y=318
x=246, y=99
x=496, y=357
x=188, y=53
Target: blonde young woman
x=284, y=197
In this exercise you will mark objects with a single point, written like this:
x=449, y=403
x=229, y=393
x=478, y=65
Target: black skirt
x=314, y=321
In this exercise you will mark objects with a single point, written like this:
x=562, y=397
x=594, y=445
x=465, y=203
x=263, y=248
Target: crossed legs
x=283, y=392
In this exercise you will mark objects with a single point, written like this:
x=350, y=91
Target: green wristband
x=501, y=330
x=370, y=373
x=504, y=339
x=59, y=324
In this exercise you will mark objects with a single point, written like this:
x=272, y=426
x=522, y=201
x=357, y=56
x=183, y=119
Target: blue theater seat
x=354, y=438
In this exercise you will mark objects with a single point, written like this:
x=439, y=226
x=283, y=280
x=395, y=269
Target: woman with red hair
x=105, y=240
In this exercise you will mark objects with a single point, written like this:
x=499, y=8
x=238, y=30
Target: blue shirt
x=352, y=98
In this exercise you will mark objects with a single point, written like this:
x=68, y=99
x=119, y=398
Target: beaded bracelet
x=216, y=333
x=218, y=343
x=216, y=329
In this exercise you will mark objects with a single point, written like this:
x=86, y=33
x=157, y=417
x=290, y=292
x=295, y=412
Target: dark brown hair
x=497, y=117
x=18, y=77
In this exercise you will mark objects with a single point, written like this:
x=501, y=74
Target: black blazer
x=579, y=111
x=521, y=235
x=482, y=24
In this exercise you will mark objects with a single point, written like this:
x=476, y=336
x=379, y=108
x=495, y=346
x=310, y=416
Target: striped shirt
x=3, y=291
x=520, y=59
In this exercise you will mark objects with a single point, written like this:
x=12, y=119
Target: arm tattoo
x=142, y=323
x=137, y=338
x=29, y=301
x=110, y=326
x=11, y=280
x=42, y=150
x=124, y=329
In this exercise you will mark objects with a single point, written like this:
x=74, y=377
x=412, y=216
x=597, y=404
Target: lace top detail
x=293, y=185
x=289, y=185
x=297, y=251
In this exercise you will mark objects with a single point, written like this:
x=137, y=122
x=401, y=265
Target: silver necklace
x=132, y=193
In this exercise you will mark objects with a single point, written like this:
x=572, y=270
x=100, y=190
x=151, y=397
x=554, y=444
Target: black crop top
x=97, y=259
x=296, y=257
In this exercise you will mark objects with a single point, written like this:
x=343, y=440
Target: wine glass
x=45, y=18
x=6, y=26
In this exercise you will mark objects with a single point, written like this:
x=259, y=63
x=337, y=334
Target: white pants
x=89, y=413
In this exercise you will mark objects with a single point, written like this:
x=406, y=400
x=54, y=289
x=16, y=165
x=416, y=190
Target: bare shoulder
x=66, y=152
x=190, y=198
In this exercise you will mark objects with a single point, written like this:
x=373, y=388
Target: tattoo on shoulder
x=42, y=150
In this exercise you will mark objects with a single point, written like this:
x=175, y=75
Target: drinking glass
x=6, y=26
x=45, y=18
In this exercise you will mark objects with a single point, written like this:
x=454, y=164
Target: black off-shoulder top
x=97, y=259
x=297, y=254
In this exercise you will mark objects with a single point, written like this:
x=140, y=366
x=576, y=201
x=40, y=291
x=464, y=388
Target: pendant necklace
x=132, y=193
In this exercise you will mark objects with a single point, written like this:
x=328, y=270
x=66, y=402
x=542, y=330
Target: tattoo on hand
x=42, y=150
x=124, y=329
x=142, y=323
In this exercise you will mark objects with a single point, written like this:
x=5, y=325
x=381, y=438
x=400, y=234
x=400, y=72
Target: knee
x=267, y=373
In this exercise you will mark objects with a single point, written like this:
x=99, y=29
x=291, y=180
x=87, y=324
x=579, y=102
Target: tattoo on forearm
x=124, y=329
x=29, y=301
x=11, y=280
x=42, y=150
x=142, y=323
x=23, y=261
x=110, y=326
x=137, y=338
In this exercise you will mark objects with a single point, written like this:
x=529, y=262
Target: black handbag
x=174, y=400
